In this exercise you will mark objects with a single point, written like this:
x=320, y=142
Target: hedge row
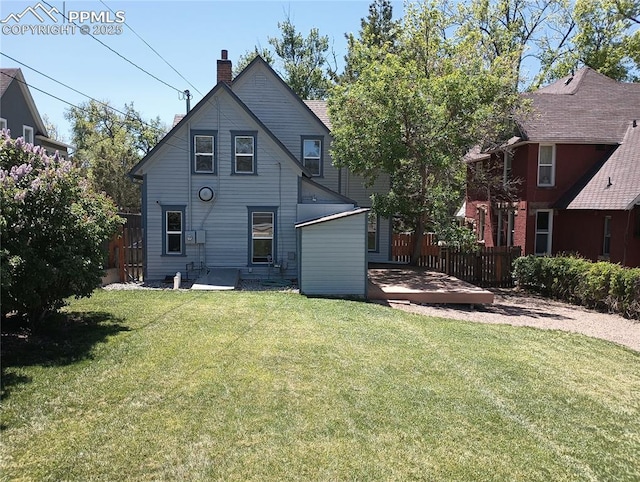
x=601, y=285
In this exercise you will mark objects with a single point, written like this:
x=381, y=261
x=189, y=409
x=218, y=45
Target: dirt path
x=513, y=308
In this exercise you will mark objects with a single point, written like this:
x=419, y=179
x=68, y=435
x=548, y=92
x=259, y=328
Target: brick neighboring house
x=578, y=159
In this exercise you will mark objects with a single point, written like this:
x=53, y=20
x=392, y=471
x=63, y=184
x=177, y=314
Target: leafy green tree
x=376, y=30
x=606, y=39
x=412, y=113
x=53, y=226
x=109, y=143
x=248, y=57
x=302, y=61
x=523, y=30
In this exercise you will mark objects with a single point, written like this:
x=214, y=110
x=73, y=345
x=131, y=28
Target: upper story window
x=203, y=152
x=27, y=133
x=244, y=152
x=547, y=165
x=312, y=154
x=3, y=123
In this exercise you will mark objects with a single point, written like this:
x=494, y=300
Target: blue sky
x=188, y=34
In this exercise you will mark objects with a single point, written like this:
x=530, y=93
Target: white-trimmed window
x=544, y=231
x=262, y=237
x=3, y=123
x=547, y=165
x=27, y=134
x=606, y=243
x=204, y=152
x=372, y=232
x=312, y=155
x=244, y=154
x=174, y=228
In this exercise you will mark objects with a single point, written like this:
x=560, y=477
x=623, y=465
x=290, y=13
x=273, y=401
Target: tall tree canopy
x=415, y=109
x=301, y=61
x=108, y=144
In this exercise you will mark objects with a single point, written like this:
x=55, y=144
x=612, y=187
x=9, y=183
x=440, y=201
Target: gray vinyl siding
x=288, y=118
x=333, y=257
x=225, y=219
x=16, y=111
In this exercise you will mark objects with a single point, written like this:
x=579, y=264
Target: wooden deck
x=419, y=285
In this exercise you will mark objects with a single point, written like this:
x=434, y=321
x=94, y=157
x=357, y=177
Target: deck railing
x=486, y=267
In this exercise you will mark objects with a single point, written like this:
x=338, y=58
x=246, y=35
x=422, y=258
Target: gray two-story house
x=19, y=114
x=245, y=180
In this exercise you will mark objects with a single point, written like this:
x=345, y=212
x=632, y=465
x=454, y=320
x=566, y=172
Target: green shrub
x=52, y=228
x=600, y=285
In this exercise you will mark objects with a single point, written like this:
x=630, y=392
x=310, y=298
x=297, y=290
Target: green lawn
x=163, y=385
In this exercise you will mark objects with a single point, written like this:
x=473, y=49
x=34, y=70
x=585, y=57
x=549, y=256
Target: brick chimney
x=224, y=68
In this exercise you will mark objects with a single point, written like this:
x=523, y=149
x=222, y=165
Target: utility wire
x=118, y=53
x=84, y=109
x=104, y=104
x=155, y=51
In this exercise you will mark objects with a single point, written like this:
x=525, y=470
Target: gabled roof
x=615, y=185
x=7, y=76
x=316, y=112
x=585, y=108
x=319, y=108
x=221, y=86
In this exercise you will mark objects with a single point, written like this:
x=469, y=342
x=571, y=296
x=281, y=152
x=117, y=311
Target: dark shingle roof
x=587, y=107
x=616, y=185
x=319, y=108
x=6, y=77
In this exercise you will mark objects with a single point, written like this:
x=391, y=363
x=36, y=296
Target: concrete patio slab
x=218, y=279
x=420, y=285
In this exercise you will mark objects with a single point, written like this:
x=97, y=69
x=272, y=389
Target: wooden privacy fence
x=487, y=267
x=125, y=249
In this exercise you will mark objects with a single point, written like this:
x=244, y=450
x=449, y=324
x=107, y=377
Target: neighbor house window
x=312, y=155
x=506, y=175
x=3, y=123
x=262, y=223
x=372, y=232
x=244, y=151
x=606, y=244
x=204, y=151
x=27, y=133
x=173, y=227
x=547, y=165
x=544, y=231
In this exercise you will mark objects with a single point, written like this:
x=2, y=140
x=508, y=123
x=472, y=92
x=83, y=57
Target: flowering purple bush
x=53, y=227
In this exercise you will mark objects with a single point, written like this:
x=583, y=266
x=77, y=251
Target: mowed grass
x=162, y=385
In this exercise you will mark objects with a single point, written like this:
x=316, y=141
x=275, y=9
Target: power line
x=104, y=104
x=84, y=109
x=155, y=51
x=118, y=53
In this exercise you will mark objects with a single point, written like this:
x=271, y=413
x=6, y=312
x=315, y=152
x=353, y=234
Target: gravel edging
x=515, y=308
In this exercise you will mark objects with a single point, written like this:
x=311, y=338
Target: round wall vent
x=205, y=194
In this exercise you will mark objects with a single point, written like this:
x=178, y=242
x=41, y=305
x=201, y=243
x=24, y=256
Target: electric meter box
x=201, y=236
x=190, y=237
